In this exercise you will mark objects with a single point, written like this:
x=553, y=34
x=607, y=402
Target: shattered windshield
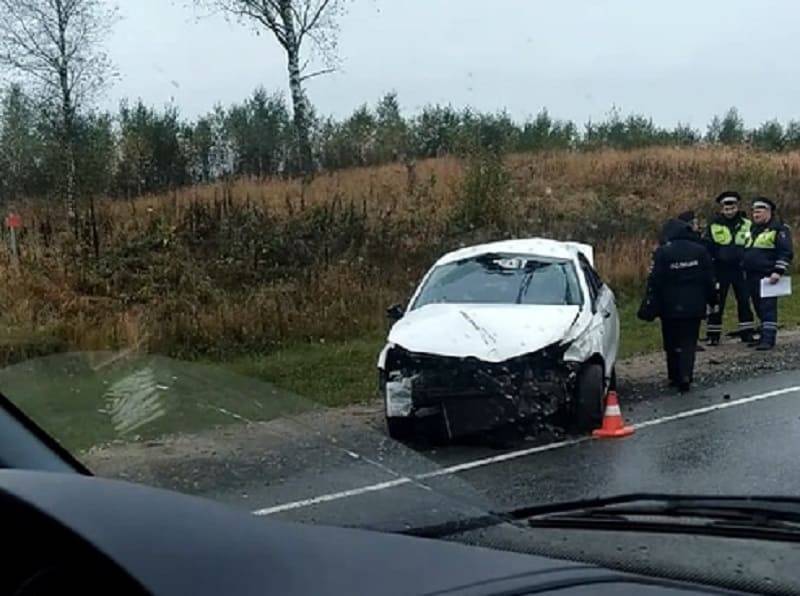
x=502, y=279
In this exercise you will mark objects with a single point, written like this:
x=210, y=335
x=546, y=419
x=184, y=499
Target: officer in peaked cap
x=726, y=237
x=768, y=254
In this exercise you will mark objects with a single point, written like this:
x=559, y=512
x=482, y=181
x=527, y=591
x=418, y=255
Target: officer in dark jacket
x=681, y=283
x=767, y=255
x=689, y=218
x=726, y=237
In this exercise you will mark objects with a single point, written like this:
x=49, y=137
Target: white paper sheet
x=782, y=288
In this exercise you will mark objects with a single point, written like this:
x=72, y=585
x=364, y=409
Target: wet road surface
x=702, y=443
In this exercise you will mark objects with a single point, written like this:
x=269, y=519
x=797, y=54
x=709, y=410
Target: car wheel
x=400, y=429
x=589, y=393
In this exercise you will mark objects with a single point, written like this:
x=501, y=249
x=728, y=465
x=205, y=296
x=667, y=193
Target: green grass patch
x=636, y=337
x=334, y=374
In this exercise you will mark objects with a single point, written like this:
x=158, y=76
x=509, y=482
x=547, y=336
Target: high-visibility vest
x=765, y=239
x=721, y=234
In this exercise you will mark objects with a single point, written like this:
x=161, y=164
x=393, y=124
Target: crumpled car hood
x=489, y=332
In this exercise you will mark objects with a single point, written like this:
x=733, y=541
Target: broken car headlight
x=399, y=390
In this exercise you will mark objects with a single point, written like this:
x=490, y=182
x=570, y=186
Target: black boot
x=767, y=342
x=672, y=369
x=713, y=339
x=746, y=336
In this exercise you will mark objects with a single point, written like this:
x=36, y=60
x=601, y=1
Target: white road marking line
x=496, y=459
x=479, y=463
x=332, y=497
x=419, y=477
x=722, y=406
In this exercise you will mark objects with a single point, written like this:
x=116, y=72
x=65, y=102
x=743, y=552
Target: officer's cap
x=686, y=216
x=729, y=197
x=764, y=203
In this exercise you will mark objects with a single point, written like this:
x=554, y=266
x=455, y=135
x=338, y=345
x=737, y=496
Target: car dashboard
x=79, y=534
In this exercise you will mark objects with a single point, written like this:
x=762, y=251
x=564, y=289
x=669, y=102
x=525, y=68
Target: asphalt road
x=736, y=438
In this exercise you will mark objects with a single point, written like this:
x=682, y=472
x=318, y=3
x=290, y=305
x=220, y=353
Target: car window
x=502, y=279
x=592, y=278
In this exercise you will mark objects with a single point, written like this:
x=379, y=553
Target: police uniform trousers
x=680, y=344
x=766, y=308
x=731, y=277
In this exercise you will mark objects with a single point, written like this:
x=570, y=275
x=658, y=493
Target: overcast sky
x=682, y=60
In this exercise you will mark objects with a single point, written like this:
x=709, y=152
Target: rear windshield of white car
x=503, y=279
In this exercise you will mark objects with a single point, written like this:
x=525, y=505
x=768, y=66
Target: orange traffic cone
x=613, y=424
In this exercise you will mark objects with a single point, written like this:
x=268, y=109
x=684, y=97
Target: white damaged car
x=512, y=332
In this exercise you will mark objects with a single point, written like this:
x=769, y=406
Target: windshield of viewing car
x=502, y=279
x=214, y=246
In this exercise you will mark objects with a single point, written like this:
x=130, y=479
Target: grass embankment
x=254, y=266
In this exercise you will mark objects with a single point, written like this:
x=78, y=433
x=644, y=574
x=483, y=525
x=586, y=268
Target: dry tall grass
x=248, y=265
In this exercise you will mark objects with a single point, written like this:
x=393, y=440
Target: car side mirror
x=395, y=312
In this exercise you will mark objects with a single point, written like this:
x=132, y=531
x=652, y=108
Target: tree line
x=142, y=149
x=54, y=143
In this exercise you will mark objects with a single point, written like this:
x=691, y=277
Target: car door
x=607, y=307
x=604, y=311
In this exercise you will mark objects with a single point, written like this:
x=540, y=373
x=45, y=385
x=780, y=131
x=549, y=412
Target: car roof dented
x=542, y=247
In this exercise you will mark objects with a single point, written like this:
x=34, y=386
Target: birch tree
x=56, y=47
x=295, y=25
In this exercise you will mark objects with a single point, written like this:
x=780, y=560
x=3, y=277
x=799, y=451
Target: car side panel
x=588, y=343
x=589, y=338
x=607, y=310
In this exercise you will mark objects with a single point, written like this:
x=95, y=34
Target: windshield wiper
x=769, y=518
x=785, y=508
x=526, y=283
x=772, y=518
x=530, y=271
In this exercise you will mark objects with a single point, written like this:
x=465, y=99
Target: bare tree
x=293, y=22
x=56, y=45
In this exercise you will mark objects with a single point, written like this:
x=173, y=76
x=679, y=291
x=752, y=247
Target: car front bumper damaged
x=475, y=396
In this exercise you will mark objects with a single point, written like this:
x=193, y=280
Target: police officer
x=726, y=237
x=689, y=218
x=767, y=255
x=681, y=283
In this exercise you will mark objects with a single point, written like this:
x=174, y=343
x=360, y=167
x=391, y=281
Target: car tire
x=589, y=394
x=400, y=429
